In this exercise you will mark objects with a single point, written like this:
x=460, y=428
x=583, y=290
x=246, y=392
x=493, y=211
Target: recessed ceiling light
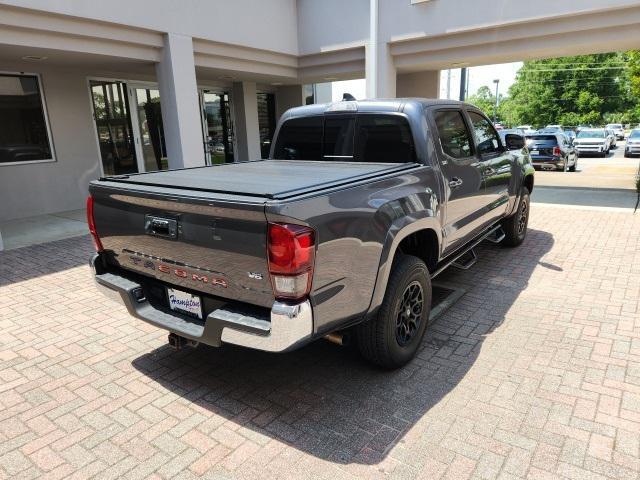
x=331, y=79
x=460, y=64
x=277, y=84
x=226, y=77
x=34, y=58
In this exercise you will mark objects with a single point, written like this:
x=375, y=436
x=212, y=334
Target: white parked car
x=633, y=143
x=557, y=128
x=594, y=141
x=527, y=129
x=617, y=129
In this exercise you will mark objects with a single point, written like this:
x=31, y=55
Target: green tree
x=485, y=100
x=574, y=90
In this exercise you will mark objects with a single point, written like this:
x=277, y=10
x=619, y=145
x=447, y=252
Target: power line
x=587, y=69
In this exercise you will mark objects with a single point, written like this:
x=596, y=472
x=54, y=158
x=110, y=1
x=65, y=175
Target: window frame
x=472, y=143
x=45, y=114
x=487, y=156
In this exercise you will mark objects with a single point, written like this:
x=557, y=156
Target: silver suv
x=617, y=129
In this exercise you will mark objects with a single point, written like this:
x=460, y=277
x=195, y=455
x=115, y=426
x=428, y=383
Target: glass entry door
x=113, y=126
x=153, y=149
x=217, y=127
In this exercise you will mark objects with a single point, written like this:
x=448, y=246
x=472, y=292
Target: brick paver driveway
x=535, y=373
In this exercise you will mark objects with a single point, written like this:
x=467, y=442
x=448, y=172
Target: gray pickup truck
x=339, y=232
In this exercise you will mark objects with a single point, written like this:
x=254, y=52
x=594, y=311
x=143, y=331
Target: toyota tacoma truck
x=359, y=206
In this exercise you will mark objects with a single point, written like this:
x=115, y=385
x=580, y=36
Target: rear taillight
x=92, y=225
x=291, y=250
x=556, y=151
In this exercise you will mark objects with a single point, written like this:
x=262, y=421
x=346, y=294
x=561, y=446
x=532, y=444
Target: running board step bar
x=466, y=261
x=496, y=236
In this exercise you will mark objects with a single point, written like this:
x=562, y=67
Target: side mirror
x=513, y=141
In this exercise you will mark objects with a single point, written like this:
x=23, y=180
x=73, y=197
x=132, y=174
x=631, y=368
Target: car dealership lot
x=534, y=372
x=614, y=171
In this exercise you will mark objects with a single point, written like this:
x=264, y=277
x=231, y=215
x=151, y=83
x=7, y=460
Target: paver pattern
x=534, y=373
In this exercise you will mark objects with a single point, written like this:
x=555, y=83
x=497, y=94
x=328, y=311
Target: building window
x=24, y=132
x=266, y=121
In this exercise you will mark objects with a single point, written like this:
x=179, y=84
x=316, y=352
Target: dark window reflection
x=384, y=139
x=486, y=135
x=453, y=133
x=266, y=121
x=300, y=139
x=23, y=128
x=113, y=123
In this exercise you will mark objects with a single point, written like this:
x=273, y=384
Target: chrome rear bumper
x=284, y=328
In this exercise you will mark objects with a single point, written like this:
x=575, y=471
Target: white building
x=88, y=88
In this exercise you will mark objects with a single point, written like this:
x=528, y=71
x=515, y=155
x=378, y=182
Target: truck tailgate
x=213, y=246
x=211, y=233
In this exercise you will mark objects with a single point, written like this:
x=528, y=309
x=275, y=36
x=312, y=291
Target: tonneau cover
x=273, y=179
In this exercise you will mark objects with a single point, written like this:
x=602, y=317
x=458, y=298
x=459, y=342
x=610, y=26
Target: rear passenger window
x=453, y=133
x=300, y=139
x=384, y=139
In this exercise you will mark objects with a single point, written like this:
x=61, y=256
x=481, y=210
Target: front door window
x=217, y=126
x=113, y=125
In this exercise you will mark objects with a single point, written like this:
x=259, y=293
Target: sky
x=478, y=76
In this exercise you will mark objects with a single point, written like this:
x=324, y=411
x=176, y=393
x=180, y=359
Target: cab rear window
x=359, y=138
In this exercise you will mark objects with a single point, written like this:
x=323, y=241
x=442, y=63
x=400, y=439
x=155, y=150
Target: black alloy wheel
x=409, y=313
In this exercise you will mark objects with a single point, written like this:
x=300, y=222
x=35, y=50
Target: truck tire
x=392, y=338
x=515, y=226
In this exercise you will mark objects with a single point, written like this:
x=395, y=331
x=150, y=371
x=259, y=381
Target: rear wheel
x=573, y=167
x=515, y=226
x=393, y=337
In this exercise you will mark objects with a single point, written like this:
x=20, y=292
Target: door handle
x=455, y=182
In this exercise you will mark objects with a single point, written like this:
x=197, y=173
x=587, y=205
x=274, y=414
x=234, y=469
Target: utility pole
x=495, y=108
x=463, y=84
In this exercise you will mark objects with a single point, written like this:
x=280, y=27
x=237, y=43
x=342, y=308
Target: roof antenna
x=347, y=97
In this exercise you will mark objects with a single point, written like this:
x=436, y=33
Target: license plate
x=184, y=302
x=535, y=152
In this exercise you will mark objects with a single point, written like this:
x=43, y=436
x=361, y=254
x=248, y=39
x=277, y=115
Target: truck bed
x=269, y=179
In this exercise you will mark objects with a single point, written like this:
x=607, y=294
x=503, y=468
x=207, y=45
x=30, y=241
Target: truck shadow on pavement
x=325, y=400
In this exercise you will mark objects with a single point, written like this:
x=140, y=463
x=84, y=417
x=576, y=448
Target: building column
x=323, y=92
x=180, y=106
x=288, y=96
x=380, y=72
x=245, y=109
x=419, y=84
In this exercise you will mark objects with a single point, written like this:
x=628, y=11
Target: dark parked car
x=23, y=153
x=340, y=233
x=552, y=151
